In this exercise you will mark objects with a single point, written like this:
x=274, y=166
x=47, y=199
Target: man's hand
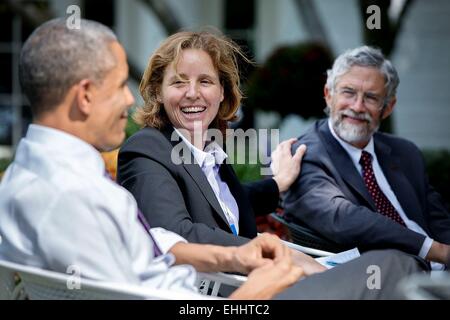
x=266, y=259
x=269, y=280
x=439, y=252
x=307, y=263
x=284, y=166
x=261, y=251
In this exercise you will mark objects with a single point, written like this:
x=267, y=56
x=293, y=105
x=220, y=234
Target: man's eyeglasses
x=370, y=100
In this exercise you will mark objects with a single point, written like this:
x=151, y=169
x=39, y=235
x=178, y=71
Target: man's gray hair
x=54, y=58
x=364, y=56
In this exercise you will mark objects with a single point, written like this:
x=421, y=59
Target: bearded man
x=362, y=188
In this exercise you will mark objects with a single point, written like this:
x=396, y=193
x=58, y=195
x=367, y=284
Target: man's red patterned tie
x=384, y=206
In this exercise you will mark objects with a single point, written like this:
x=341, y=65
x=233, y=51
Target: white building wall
x=141, y=32
x=422, y=58
x=199, y=13
x=277, y=23
x=342, y=23
x=138, y=29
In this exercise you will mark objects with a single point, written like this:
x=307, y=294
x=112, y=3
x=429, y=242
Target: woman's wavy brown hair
x=224, y=54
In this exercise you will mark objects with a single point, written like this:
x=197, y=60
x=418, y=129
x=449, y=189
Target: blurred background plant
x=291, y=81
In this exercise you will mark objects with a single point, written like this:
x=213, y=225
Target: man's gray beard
x=353, y=133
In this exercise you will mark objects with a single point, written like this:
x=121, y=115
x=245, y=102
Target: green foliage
x=291, y=81
x=438, y=169
x=131, y=127
x=247, y=172
x=4, y=163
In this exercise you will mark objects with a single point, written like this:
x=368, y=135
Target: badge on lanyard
x=233, y=228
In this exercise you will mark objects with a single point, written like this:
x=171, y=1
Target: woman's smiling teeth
x=192, y=109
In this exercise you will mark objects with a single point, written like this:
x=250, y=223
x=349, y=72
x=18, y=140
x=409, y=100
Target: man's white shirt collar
x=70, y=148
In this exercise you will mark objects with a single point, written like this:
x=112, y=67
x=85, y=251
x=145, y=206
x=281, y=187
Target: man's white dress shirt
x=57, y=209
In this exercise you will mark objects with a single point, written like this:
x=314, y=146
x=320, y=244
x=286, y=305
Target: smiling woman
x=191, y=92
x=173, y=65
x=191, y=85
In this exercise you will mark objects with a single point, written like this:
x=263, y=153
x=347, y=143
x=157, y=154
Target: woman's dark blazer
x=179, y=198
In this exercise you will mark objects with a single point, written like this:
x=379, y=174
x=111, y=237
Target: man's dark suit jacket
x=331, y=198
x=179, y=198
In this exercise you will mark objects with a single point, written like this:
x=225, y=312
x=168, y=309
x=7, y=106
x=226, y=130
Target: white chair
x=10, y=287
x=38, y=284
x=210, y=283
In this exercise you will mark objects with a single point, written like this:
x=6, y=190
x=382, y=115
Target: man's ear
x=84, y=96
x=389, y=108
x=327, y=95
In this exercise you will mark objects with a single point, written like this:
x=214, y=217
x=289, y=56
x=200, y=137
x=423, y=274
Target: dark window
x=101, y=11
x=6, y=73
x=239, y=14
x=5, y=23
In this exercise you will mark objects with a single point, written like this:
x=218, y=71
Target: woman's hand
x=285, y=166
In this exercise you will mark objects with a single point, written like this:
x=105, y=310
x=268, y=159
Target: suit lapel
x=196, y=173
x=344, y=164
x=391, y=166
